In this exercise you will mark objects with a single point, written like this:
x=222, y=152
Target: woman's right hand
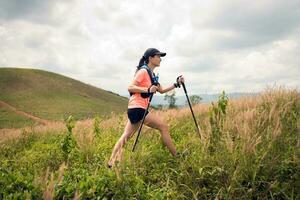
x=153, y=89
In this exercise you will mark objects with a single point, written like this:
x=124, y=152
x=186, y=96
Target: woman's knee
x=163, y=127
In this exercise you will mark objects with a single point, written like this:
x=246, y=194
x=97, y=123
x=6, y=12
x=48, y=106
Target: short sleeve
x=140, y=75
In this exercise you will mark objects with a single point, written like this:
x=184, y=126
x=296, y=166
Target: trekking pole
x=141, y=126
x=198, y=130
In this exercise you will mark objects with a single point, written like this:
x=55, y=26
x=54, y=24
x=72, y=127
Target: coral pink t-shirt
x=143, y=80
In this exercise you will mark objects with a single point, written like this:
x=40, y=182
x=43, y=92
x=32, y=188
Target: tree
x=195, y=99
x=170, y=97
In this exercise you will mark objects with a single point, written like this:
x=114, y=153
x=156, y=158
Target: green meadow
x=249, y=150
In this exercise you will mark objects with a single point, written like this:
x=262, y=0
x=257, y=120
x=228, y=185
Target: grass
x=255, y=155
x=52, y=96
x=10, y=119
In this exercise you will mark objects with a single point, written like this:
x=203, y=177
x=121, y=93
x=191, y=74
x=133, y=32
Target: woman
x=140, y=89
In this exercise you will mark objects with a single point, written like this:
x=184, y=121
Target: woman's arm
x=134, y=85
x=133, y=88
x=179, y=80
x=164, y=90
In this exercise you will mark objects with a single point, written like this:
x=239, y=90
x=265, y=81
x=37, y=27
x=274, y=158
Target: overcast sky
x=236, y=46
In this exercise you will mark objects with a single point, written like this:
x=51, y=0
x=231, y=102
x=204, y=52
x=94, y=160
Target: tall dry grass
x=256, y=155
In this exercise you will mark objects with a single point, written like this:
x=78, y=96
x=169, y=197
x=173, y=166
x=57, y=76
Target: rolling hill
x=51, y=96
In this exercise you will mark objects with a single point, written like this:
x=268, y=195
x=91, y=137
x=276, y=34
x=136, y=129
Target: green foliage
x=268, y=170
x=68, y=143
x=23, y=161
x=217, y=115
x=17, y=185
x=97, y=129
x=195, y=99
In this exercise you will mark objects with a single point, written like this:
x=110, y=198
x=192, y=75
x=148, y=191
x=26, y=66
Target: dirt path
x=19, y=112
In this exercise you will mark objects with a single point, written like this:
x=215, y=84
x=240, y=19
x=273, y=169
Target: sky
x=236, y=46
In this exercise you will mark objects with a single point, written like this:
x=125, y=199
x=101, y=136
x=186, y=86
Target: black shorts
x=136, y=114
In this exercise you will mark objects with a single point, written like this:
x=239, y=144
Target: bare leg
x=128, y=132
x=156, y=122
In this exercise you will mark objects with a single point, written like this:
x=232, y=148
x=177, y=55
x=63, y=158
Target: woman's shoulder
x=141, y=75
x=141, y=72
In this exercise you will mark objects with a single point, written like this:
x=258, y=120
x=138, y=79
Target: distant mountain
x=52, y=96
x=206, y=98
x=158, y=99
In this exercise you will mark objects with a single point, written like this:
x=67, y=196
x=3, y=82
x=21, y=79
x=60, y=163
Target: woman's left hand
x=181, y=79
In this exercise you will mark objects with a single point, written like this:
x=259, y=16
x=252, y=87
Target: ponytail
x=143, y=61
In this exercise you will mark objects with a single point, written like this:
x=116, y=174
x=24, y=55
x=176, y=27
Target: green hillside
x=52, y=96
x=10, y=119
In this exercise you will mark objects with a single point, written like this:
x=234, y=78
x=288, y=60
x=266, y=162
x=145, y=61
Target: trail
x=84, y=125
x=12, y=133
x=19, y=112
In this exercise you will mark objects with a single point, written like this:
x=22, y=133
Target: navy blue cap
x=152, y=52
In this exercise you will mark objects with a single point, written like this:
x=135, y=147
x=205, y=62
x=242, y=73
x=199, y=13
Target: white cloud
x=232, y=45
